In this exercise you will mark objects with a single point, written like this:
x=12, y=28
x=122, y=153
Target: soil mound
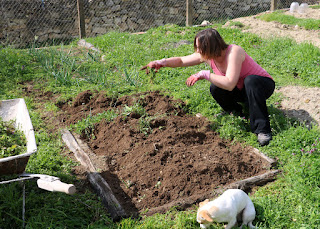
x=154, y=153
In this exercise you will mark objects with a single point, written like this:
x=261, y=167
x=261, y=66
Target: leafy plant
x=12, y=140
x=137, y=110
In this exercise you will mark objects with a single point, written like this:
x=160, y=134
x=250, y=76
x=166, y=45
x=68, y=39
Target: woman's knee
x=216, y=91
x=259, y=84
x=252, y=81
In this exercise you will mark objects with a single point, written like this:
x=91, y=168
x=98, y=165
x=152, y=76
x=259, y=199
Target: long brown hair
x=210, y=43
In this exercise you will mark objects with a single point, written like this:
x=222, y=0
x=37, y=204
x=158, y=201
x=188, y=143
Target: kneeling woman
x=237, y=78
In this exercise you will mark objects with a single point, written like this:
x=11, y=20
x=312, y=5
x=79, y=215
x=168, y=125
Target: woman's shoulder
x=236, y=51
x=235, y=47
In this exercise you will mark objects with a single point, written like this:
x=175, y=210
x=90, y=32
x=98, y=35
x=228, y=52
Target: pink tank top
x=249, y=67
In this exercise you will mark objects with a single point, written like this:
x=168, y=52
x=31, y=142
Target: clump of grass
x=86, y=126
x=12, y=141
x=315, y=6
x=237, y=24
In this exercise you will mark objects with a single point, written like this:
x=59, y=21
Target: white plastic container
x=294, y=7
x=303, y=8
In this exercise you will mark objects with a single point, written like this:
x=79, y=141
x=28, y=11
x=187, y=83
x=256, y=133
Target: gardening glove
x=203, y=74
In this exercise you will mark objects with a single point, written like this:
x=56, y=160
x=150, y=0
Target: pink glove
x=203, y=74
x=157, y=64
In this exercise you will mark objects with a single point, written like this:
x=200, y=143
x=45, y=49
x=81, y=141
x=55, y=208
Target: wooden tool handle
x=56, y=186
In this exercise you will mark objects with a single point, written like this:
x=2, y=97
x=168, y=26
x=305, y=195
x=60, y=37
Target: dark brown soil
x=161, y=156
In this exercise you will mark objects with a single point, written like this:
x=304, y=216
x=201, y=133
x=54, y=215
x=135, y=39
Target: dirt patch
x=161, y=155
x=302, y=103
x=299, y=102
x=275, y=29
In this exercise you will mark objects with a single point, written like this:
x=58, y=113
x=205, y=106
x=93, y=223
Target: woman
x=236, y=78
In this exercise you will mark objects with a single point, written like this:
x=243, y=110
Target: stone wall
x=132, y=15
x=137, y=15
x=26, y=21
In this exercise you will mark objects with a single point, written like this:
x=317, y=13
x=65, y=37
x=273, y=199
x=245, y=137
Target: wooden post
x=82, y=26
x=273, y=5
x=188, y=12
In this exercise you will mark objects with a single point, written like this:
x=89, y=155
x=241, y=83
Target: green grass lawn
x=292, y=201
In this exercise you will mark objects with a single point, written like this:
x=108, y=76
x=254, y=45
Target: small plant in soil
x=12, y=141
x=86, y=126
x=135, y=111
x=144, y=125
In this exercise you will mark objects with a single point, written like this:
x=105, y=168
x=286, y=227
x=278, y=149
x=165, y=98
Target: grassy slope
x=309, y=24
x=290, y=202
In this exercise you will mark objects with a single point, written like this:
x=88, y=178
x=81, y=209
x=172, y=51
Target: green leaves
x=12, y=141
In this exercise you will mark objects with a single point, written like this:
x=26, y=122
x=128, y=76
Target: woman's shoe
x=264, y=138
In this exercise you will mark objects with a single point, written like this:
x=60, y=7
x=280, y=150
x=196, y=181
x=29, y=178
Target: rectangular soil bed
x=161, y=157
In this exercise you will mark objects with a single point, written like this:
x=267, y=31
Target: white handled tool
x=51, y=183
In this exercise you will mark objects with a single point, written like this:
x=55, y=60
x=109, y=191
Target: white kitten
x=231, y=204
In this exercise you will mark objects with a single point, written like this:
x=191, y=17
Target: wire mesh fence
x=24, y=22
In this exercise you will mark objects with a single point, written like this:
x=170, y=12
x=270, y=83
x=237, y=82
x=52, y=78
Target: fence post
x=82, y=26
x=273, y=5
x=188, y=12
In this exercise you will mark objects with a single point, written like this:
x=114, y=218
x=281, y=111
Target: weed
x=86, y=126
x=136, y=110
x=144, y=125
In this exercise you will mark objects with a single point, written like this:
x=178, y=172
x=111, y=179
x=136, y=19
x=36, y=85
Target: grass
x=292, y=201
x=279, y=16
x=315, y=6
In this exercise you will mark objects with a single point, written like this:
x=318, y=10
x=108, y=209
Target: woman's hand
x=157, y=64
x=204, y=74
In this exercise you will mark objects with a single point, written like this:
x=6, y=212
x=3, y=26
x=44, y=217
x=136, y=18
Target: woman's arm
x=231, y=78
x=185, y=61
x=174, y=62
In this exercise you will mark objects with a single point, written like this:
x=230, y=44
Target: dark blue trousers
x=256, y=91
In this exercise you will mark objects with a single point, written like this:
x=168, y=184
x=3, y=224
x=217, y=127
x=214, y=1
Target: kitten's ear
x=205, y=215
x=203, y=202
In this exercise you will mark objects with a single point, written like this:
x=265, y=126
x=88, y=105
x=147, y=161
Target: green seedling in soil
x=136, y=111
x=12, y=141
x=144, y=125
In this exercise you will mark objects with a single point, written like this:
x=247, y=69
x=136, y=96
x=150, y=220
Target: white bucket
x=303, y=8
x=294, y=7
